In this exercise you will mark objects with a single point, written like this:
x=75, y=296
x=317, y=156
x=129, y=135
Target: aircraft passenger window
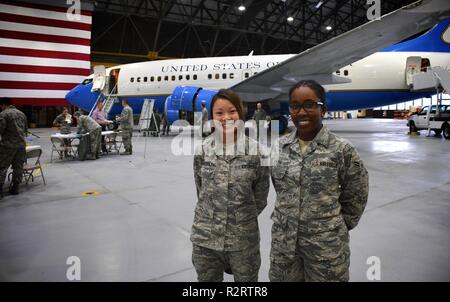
x=209, y=76
x=159, y=79
x=138, y=79
x=346, y=72
x=224, y=76
x=231, y=75
x=195, y=77
x=246, y=75
x=152, y=79
x=87, y=81
x=180, y=77
x=132, y=80
x=188, y=77
x=174, y=78
x=217, y=76
x=166, y=78
x=338, y=72
x=145, y=79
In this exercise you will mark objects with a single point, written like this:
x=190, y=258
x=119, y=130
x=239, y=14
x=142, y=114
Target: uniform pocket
x=207, y=172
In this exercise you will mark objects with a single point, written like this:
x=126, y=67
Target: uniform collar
x=322, y=138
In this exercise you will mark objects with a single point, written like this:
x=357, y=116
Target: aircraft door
x=413, y=65
x=113, y=81
x=98, y=83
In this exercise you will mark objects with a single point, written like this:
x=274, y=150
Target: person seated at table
x=63, y=121
x=87, y=125
x=100, y=116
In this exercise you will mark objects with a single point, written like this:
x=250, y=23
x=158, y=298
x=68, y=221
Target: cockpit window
x=86, y=81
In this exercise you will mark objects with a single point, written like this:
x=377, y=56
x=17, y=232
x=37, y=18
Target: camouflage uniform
x=61, y=122
x=87, y=124
x=13, y=129
x=232, y=191
x=126, y=126
x=259, y=115
x=321, y=195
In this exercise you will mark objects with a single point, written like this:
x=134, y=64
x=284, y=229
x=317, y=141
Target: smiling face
x=226, y=114
x=308, y=122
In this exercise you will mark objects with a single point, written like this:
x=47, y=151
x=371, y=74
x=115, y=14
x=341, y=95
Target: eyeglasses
x=308, y=105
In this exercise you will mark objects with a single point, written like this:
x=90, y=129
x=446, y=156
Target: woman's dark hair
x=5, y=101
x=314, y=86
x=232, y=97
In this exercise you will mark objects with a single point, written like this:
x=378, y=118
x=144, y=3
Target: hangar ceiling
x=135, y=30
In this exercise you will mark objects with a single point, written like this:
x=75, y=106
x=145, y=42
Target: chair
x=111, y=142
x=60, y=147
x=28, y=169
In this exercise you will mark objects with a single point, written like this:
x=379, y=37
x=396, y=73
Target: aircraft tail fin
x=437, y=39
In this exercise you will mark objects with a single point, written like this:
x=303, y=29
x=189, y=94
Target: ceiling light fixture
x=241, y=8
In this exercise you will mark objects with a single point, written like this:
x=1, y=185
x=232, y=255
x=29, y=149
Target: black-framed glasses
x=308, y=105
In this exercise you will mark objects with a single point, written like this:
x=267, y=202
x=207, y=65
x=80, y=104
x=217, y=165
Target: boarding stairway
x=108, y=101
x=434, y=77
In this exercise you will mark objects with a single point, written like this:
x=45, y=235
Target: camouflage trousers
x=321, y=257
x=210, y=264
x=126, y=138
x=95, y=139
x=14, y=157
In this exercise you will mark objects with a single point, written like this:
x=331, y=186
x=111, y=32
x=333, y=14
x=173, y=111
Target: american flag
x=43, y=54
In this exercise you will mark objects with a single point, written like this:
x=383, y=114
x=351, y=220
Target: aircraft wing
x=319, y=62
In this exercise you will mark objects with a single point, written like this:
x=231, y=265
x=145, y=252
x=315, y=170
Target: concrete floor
x=137, y=228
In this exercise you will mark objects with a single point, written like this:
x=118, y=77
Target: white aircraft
x=362, y=68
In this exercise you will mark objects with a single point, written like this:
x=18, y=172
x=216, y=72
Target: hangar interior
x=143, y=30
x=129, y=218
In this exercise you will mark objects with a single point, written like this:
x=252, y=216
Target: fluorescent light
x=328, y=27
x=290, y=19
x=241, y=8
x=319, y=4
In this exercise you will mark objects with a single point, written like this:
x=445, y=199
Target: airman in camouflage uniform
x=322, y=189
x=63, y=121
x=13, y=129
x=126, y=126
x=232, y=191
x=86, y=124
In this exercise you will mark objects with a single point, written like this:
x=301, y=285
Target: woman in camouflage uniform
x=232, y=190
x=322, y=189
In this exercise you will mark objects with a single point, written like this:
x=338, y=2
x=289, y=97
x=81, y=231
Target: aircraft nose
x=82, y=97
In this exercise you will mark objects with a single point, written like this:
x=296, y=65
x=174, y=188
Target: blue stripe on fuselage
x=353, y=100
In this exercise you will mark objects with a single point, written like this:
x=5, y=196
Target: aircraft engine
x=187, y=99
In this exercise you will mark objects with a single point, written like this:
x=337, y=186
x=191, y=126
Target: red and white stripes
x=43, y=54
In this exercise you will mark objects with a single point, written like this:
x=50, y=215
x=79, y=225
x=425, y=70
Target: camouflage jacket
x=87, y=124
x=61, y=121
x=232, y=191
x=126, y=118
x=317, y=191
x=259, y=115
x=13, y=128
